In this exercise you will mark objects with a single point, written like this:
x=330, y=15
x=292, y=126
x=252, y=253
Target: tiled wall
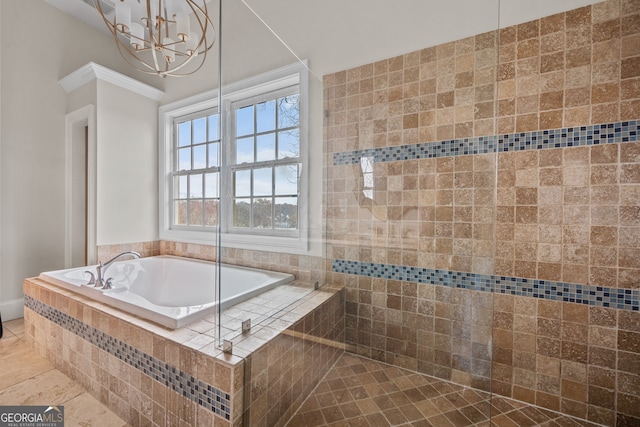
x=145, y=249
x=281, y=374
x=502, y=169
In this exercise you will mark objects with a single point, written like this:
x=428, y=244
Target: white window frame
x=175, y=173
x=295, y=74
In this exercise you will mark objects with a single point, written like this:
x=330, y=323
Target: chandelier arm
x=110, y=25
x=202, y=15
x=190, y=72
x=113, y=30
x=122, y=49
x=155, y=60
x=154, y=26
x=183, y=64
x=137, y=64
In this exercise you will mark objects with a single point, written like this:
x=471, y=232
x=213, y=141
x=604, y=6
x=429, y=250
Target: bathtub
x=168, y=290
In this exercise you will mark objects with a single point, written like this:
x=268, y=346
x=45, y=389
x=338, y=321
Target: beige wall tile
x=561, y=214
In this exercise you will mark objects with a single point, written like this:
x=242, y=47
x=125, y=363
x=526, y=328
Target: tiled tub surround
x=282, y=374
x=304, y=267
x=403, y=193
x=152, y=376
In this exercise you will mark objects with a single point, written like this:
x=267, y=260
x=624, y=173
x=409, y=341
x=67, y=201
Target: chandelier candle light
x=156, y=36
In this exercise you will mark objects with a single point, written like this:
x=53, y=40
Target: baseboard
x=12, y=309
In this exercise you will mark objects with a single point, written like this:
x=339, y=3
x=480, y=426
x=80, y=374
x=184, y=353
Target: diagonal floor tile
x=385, y=395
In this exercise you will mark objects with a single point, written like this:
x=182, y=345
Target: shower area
x=460, y=211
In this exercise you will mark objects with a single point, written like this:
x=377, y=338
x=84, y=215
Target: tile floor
x=362, y=392
x=356, y=392
x=28, y=379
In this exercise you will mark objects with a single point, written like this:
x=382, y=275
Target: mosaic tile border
x=607, y=133
x=203, y=394
x=624, y=299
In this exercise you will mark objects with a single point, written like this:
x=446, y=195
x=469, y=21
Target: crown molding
x=90, y=71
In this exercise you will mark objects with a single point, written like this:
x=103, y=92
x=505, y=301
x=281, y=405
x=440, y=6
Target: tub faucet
x=101, y=269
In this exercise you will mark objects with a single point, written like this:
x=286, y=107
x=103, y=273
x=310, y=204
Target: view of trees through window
x=266, y=168
x=197, y=170
x=263, y=170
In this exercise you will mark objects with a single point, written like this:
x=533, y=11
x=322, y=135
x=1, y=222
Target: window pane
x=182, y=190
x=244, y=121
x=266, y=116
x=262, y=182
x=242, y=183
x=264, y=188
x=286, y=213
x=184, y=134
x=195, y=186
x=287, y=180
x=199, y=130
x=288, y=111
x=195, y=212
x=262, y=213
x=200, y=157
x=289, y=144
x=241, y=213
x=266, y=147
x=180, y=212
x=213, y=155
x=211, y=212
x=214, y=132
x=211, y=185
x=244, y=150
x=184, y=159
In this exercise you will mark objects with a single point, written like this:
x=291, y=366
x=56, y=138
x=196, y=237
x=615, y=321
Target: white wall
x=39, y=45
x=127, y=178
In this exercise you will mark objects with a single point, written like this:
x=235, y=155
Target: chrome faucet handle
x=108, y=284
x=99, y=282
x=92, y=279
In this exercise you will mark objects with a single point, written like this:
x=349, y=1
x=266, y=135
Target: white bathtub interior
x=171, y=291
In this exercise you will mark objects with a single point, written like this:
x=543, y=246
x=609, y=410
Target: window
x=265, y=163
x=258, y=161
x=196, y=170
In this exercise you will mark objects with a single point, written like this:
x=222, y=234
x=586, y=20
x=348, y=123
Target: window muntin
x=276, y=239
x=265, y=163
x=264, y=166
x=196, y=170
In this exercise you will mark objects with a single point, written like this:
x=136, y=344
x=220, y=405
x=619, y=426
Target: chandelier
x=161, y=37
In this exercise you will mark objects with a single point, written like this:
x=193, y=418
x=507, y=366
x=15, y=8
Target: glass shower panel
x=271, y=179
x=411, y=192
x=190, y=112
x=437, y=223
x=410, y=170
x=272, y=215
